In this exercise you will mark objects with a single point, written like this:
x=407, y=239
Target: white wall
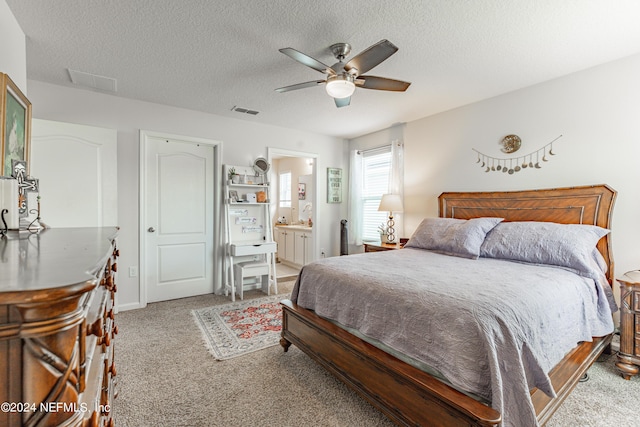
x=13, y=48
x=598, y=113
x=243, y=141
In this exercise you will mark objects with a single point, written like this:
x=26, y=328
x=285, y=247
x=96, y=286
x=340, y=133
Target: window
x=285, y=190
x=376, y=168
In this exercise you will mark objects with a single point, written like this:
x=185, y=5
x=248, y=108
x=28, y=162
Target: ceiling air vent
x=244, y=110
x=92, y=81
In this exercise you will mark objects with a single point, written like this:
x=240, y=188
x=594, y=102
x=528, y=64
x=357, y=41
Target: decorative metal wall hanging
x=511, y=144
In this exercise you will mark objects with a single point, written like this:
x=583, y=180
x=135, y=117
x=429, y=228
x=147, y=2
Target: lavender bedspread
x=493, y=328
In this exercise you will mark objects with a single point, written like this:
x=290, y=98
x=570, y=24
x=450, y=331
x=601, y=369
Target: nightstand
x=379, y=246
x=628, y=363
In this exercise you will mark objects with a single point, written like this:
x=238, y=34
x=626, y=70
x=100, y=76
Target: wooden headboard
x=591, y=205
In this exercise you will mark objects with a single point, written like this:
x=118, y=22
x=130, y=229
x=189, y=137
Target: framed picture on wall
x=334, y=185
x=15, y=125
x=302, y=191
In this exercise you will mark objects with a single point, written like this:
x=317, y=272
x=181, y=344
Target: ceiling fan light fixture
x=340, y=86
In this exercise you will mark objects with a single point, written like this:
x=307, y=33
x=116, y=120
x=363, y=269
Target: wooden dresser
x=57, y=291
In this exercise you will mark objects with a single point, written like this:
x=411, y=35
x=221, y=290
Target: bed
x=408, y=394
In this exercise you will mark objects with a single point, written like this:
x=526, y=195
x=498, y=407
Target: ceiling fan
x=341, y=79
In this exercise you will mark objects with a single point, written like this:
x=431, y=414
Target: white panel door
x=77, y=170
x=178, y=196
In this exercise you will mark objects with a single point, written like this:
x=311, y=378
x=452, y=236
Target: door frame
x=145, y=135
x=281, y=152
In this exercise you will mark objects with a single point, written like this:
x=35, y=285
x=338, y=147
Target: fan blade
x=300, y=86
x=342, y=102
x=307, y=60
x=381, y=83
x=369, y=58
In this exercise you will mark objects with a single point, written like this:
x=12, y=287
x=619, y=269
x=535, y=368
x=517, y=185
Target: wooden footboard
x=403, y=393
x=407, y=395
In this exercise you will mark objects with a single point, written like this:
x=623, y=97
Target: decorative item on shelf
x=3, y=227
x=308, y=208
x=391, y=203
x=28, y=188
x=261, y=196
x=515, y=164
x=233, y=176
x=261, y=167
x=251, y=197
x=36, y=224
x=382, y=229
x=233, y=196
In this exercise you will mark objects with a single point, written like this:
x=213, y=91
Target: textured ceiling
x=212, y=55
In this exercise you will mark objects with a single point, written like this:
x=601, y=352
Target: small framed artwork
x=334, y=185
x=233, y=196
x=15, y=125
x=302, y=191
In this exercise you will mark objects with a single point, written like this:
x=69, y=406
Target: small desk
x=380, y=246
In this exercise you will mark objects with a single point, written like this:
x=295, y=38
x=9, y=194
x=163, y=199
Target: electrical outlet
x=133, y=271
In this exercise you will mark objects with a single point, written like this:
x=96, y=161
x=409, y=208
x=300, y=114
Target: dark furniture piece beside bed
x=409, y=396
x=629, y=355
x=377, y=247
x=57, y=327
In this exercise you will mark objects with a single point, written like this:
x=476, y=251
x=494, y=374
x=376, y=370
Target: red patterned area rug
x=242, y=327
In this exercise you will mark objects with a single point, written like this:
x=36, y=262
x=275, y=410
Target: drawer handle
x=95, y=328
x=94, y=421
x=106, y=341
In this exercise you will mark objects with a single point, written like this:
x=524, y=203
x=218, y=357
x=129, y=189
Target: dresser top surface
x=52, y=258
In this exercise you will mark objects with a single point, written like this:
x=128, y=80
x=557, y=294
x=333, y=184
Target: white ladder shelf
x=249, y=246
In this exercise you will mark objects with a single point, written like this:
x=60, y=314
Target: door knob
x=151, y=229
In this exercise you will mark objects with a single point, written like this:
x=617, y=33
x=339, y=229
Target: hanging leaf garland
x=513, y=164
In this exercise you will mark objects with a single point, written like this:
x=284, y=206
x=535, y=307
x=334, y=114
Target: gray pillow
x=450, y=236
x=570, y=246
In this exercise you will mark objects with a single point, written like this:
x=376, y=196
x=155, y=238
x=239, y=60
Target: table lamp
x=391, y=203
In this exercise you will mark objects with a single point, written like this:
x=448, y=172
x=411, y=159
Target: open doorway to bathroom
x=294, y=203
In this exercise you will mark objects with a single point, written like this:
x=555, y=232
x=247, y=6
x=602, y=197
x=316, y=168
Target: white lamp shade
x=340, y=86
x=391, y=203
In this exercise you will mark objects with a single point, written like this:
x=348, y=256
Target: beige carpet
x=167, y=377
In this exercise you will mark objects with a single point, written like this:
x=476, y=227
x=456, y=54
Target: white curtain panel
x=396, y=181
x=354, y=209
